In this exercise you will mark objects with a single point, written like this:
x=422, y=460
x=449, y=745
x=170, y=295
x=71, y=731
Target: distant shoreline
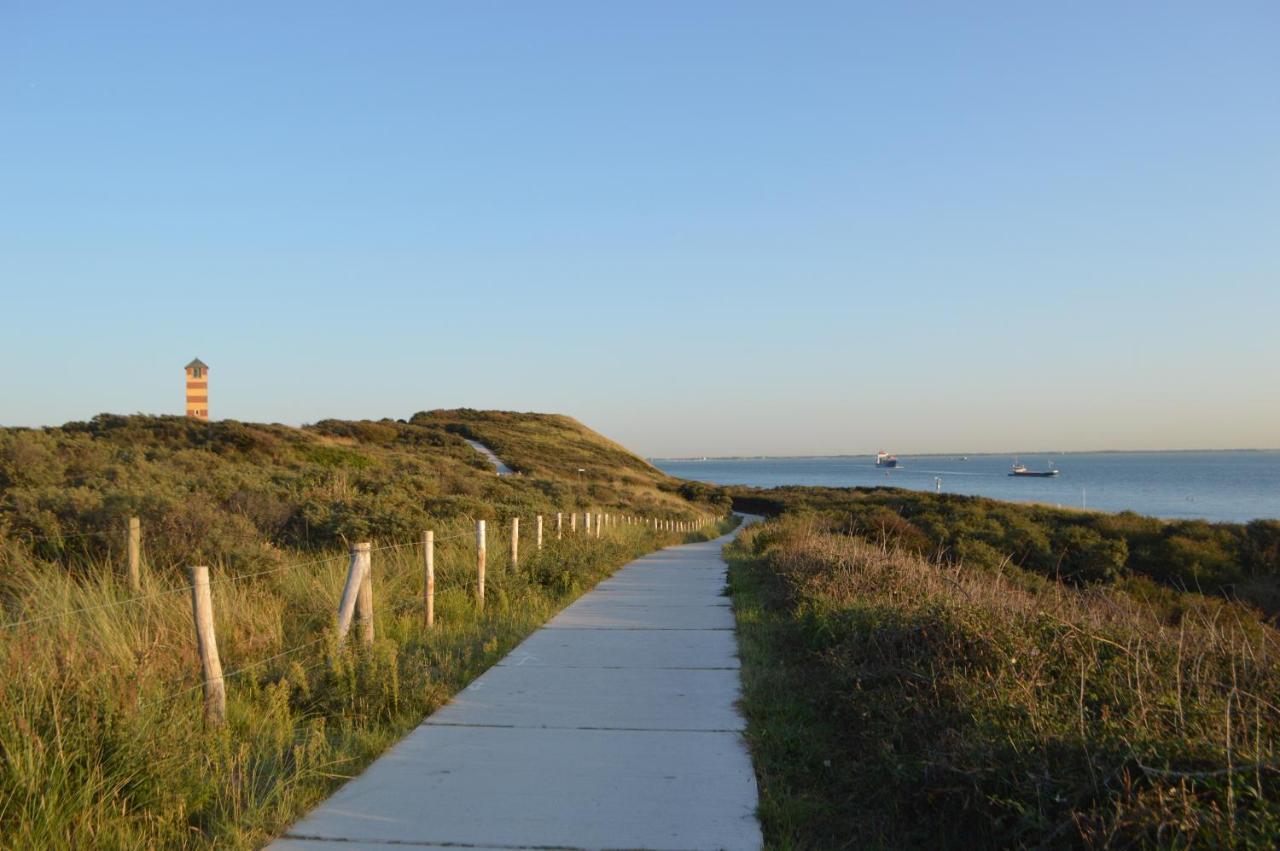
x=1052, y=452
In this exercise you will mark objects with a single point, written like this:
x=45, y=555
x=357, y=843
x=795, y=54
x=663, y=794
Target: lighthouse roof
x=197, y=364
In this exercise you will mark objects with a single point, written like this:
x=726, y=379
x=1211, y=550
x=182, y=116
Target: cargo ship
x=884, y=459
x=1022, y=471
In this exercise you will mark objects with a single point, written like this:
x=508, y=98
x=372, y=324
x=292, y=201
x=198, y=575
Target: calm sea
x=1232, y=486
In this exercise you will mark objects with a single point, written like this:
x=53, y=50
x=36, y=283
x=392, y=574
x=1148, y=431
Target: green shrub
x=1081, y=547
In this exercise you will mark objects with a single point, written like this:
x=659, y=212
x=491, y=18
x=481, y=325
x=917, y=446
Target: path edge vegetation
x=894, y=702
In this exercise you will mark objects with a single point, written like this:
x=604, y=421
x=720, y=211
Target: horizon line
x=743, y=457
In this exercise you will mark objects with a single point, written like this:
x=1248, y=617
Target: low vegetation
x=1079, y=547
x=101, y=742
x=899, y=701
x=239, y=492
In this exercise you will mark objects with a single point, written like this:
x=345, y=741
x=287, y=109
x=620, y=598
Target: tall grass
x=894, y=702
x=101, y=740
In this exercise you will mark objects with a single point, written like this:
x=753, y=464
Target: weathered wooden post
x=515, y=541
x=599, y=523
x=364, y=599
x=537, y=526
x=215, y=693
x=351, y=590
x=586, y=522
x=559, y=525
x=429, y=579
x=573, y=522
x=135, y=554
x=480, y=562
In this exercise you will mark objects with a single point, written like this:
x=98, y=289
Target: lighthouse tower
x=198, y=389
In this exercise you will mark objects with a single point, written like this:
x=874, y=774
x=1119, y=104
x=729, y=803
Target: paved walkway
x=498, y=464
x=614, y=726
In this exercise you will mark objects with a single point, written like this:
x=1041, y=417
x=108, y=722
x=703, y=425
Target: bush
x=1077, y=546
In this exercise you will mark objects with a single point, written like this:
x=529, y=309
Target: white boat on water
x=884, y=459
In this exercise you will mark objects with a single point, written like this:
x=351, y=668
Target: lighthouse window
x=195, y=373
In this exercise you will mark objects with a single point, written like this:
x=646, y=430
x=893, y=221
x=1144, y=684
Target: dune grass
x=101, y=739
x=1082, y=547
x=894, y=702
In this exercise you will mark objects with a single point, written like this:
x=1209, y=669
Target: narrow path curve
x=613, y=726
x=498, y=463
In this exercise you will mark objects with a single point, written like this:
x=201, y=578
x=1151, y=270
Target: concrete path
x=498, y=464
x=614, y=726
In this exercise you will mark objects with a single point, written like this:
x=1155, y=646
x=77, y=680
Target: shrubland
x=903, y=695
x=1078, y=547
x=241, y=493
x=101, y=739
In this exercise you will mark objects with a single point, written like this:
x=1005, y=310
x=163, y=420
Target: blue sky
x=702, y=228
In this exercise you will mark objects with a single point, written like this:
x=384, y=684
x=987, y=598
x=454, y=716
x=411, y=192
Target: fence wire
x=222, y=581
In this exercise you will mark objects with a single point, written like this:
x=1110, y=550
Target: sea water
x=1226, y=486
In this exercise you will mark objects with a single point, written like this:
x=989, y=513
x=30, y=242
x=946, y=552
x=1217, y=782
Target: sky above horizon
x=700, y=228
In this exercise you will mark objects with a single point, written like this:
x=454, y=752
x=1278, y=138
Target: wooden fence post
x=515, y=541
x=586, y=522
x=351, y=590
x=480, y=561
x=537, y=525
x=573, y=522
x=215, y=693
x=429, y=579
x=135, y=554
x=599, y=523
x=364, y=599
x=559, y=525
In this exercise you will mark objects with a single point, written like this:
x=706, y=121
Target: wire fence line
x=154, y=595
x=356, y=596
x=238, y=671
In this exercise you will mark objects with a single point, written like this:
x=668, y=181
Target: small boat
x=884, y=459
x=1022, y=471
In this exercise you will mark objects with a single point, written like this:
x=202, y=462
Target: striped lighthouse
x=198, y=389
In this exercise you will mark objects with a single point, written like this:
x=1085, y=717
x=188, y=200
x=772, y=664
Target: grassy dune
x=1080, y=547
x=101, y=739
x=896, y=702
x=233, y=491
